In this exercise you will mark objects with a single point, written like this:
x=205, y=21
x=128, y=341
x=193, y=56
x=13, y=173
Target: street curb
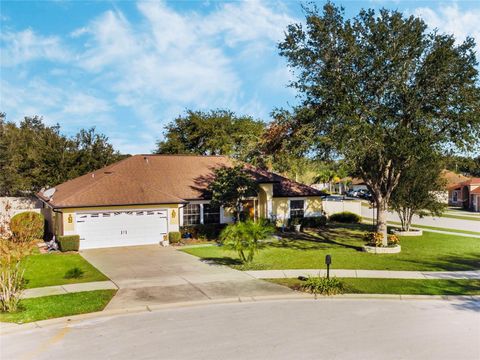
x=12, y=328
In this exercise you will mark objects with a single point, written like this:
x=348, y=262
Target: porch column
x=268, y=189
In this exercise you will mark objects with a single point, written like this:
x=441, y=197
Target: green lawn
x=399, y=286
x=49, y=269
x=49, y=307
x=430, y=252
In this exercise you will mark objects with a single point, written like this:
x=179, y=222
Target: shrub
x=345, y=217
x=203, y=231
x=375, y=239
x=243, y=237
x=27, y=226
x=74, y=273
x=174, y=237
x=323, y=285
x=393, y=239
x=11, y=286
x=314, y=222
x=69, y=242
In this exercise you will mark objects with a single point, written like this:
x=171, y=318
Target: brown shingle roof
x=154, y=179
x=452, y=178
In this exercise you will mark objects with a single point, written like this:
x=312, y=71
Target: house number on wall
x=123, y=232
x=70, y=219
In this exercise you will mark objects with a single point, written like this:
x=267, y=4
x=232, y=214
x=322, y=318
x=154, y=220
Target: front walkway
x=378, y=274
x=266, y=274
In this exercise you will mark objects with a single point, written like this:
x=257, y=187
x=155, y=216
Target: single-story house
x=142, y=198
x=465, y=194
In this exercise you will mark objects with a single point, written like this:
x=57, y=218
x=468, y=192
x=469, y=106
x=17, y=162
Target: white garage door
x=122, y=228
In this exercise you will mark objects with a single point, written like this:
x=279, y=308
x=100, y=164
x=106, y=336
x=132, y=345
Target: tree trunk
x=382, y=208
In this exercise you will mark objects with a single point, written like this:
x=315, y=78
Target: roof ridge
x=192, y=155
x=111, y=166
x=84, y=189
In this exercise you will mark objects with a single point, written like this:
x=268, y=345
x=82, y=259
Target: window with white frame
x=211, y=214
x=297, y=208
x=191, y=214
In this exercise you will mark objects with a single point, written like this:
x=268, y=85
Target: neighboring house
x=451, y=179
x=465, y=194
x=138, y=200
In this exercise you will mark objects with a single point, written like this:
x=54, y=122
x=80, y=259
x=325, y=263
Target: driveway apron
x=150, y=275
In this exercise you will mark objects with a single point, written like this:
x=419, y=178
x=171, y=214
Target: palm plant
x=244, y=237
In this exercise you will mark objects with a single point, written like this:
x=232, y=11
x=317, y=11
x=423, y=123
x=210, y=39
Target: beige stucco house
x=142, y=198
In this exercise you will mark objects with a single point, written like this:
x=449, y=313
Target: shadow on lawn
x=319, y=240
x=463, y=262
x=228, y=261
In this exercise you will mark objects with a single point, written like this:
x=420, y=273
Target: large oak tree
x=380, y=91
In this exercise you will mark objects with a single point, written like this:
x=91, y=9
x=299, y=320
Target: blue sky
x=129, y=68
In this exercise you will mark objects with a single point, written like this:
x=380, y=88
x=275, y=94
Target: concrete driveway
x=148, y=275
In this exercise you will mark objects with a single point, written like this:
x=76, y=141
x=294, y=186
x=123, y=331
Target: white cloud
x=153, y=68
x=248, y=21
x=24, y=46
x=71, y=107
x=450, y=19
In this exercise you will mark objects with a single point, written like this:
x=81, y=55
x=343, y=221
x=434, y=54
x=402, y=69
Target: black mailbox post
x=328, y=261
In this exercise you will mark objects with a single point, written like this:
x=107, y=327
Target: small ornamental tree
x=417, y=192
x=244, y=237
x=230, y=186
x=14, y=246
x=379, y=90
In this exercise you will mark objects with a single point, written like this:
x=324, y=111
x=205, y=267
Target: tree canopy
x=419, y=189
x=230, y=186
x=34, y=155
x=380, y=91
x=217, y=132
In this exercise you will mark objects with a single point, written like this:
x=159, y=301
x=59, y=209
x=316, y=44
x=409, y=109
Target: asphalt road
x=299, y=329
x=441, y=222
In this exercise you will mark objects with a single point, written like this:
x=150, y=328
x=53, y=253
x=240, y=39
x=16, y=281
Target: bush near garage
x=345, y=217
x=69, y=242
x=314, y=222
x=174, y=237
x=27, y=226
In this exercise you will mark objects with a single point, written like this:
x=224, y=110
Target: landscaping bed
x=398, y=286
x=49, y=307
x=429, y=252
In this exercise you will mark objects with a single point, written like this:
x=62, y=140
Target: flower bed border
x=382, y=250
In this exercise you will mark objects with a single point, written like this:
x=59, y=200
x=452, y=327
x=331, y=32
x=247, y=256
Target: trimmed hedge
x=69, y=242
x=203, y=231
x=345, y=217
x=174, y=237
x=314, y=222
x=28, y=226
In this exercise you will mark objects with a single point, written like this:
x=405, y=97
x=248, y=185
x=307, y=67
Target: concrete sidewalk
x=378, y=274
x=69, y=288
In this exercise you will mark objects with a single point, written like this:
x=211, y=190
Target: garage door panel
x=126, y=228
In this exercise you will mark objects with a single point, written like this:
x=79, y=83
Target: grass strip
x=49, y=307
x=398, y=286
